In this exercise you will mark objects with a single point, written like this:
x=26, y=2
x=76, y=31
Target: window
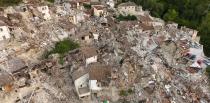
x=44, y=8
x=24, y=9
x=1, y=29
x=83, y=38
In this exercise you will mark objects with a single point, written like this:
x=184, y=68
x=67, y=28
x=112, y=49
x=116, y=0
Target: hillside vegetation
x=9, y=2
x=194, y=14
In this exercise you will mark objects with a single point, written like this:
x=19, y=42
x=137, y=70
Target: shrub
x=87, y=6
x=130, y=91
x=62, y=47
x=126, y=18
x=123, y=93
x=9, y=2
x=51, y=1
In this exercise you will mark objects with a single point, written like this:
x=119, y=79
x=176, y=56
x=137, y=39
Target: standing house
x=45, y=12
x=127, y=8
x=85, y=37
x=81, y=78
x=90, y=54
x=100, y=77
x=4, y=31
x=73, y=19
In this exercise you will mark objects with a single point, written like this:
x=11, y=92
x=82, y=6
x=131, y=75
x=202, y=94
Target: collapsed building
x=146, y=60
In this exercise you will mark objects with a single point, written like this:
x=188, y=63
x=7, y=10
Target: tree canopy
x=9, y=2
x=126, y=18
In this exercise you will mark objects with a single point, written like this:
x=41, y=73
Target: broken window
x=24, y=9
x=44, y=8
x=83, y=38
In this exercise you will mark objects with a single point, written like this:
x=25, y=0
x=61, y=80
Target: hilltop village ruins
x=146, y=60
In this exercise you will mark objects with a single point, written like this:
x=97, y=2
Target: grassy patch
x=130, y=91
x=62, y=48
x=126, y=18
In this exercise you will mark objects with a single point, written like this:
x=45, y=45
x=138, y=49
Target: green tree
x=205, y=34
x=87, y=6
x=9, y=2
x=62, y=47
x=171, y=15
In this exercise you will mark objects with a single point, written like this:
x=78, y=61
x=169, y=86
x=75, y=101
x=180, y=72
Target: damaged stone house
x=81, y=78
x=100, y=77
x=89, y=54
x=45, y=12
x=91, y=79
x=85, y=37
x=77, y=17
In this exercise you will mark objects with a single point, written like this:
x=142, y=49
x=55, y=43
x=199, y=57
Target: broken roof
x=127, y=4
x=99, y=72
x=78, y=73
x=88, y=51
x=146, y=27
x=145, y=18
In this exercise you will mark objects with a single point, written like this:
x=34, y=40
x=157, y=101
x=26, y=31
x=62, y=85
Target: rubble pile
x=141, y=61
